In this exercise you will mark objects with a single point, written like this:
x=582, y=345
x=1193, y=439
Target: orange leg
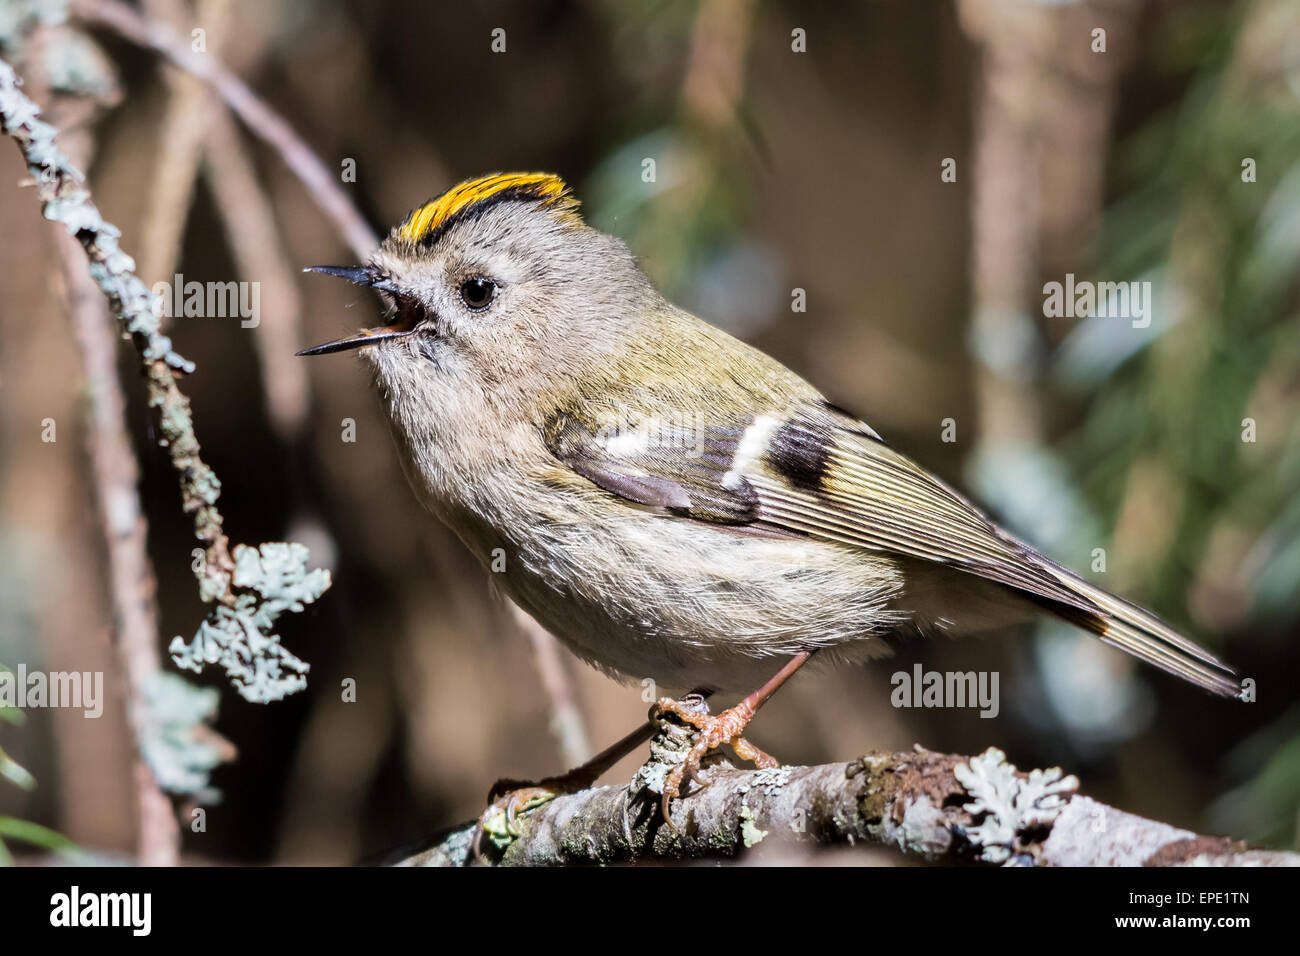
x=724, y=728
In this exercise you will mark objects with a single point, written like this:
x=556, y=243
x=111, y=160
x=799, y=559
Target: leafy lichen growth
x=268, y=580
x=175, y=739
x=923, y=829
x=1008, y=805
x=772, y=779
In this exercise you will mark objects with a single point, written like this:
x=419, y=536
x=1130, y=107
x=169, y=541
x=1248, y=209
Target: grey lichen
x=772, y=779
x=18, y=17
x=268, y=581
x=923, y=830
x=77, y=65
x=1007, y=805
x=175, y=740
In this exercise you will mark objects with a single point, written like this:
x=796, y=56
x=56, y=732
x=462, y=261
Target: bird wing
x=814, y=470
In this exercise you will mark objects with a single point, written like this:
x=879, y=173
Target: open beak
x=359, y=275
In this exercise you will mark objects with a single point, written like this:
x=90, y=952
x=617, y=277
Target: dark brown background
x=820, y=171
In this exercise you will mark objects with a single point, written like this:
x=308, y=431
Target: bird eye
x=477, y=294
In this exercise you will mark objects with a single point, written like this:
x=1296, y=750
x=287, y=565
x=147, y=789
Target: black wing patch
x=800, y=455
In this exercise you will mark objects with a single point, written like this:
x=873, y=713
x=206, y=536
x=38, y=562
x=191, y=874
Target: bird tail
x=1122, y=624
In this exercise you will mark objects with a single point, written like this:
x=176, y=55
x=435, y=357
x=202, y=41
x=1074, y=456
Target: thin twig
x=568, y=725
x=198, y=128
x=715, y=74
x=182, y=134
x=321, y=183
x=1004, y=213
x=247, y=214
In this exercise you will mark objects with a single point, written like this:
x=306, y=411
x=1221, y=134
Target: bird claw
x=715, y=731
x=509, y=799
x=499, y=822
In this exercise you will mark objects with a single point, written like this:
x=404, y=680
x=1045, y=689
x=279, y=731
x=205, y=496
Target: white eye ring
x=478, y=293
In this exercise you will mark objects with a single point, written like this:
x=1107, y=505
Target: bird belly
x=689, y=604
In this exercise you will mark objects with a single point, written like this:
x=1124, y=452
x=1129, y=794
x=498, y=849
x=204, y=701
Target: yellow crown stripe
x=544, y=187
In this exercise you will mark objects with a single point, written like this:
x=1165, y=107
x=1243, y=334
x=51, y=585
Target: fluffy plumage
x=672, y=503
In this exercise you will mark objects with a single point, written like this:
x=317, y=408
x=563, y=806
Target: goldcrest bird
x=670, y=502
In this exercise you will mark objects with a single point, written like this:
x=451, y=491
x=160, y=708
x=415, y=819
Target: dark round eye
x=478, y=293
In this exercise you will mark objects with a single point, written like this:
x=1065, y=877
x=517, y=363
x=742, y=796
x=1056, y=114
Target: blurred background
x=918, y=169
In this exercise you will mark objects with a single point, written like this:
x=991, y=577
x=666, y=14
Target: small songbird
x=670, y=502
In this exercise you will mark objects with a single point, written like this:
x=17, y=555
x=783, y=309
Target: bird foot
x=509, y=799
x=714, y=731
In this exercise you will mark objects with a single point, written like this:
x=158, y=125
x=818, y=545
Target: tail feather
x=1130, y=628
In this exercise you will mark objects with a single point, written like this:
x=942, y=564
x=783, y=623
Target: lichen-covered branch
x=928, y=806
x=131, y=581
x=170, y=720
x=65, y=199
x=251, y=586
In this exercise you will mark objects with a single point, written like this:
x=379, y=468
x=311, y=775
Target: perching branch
x=929, y=806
